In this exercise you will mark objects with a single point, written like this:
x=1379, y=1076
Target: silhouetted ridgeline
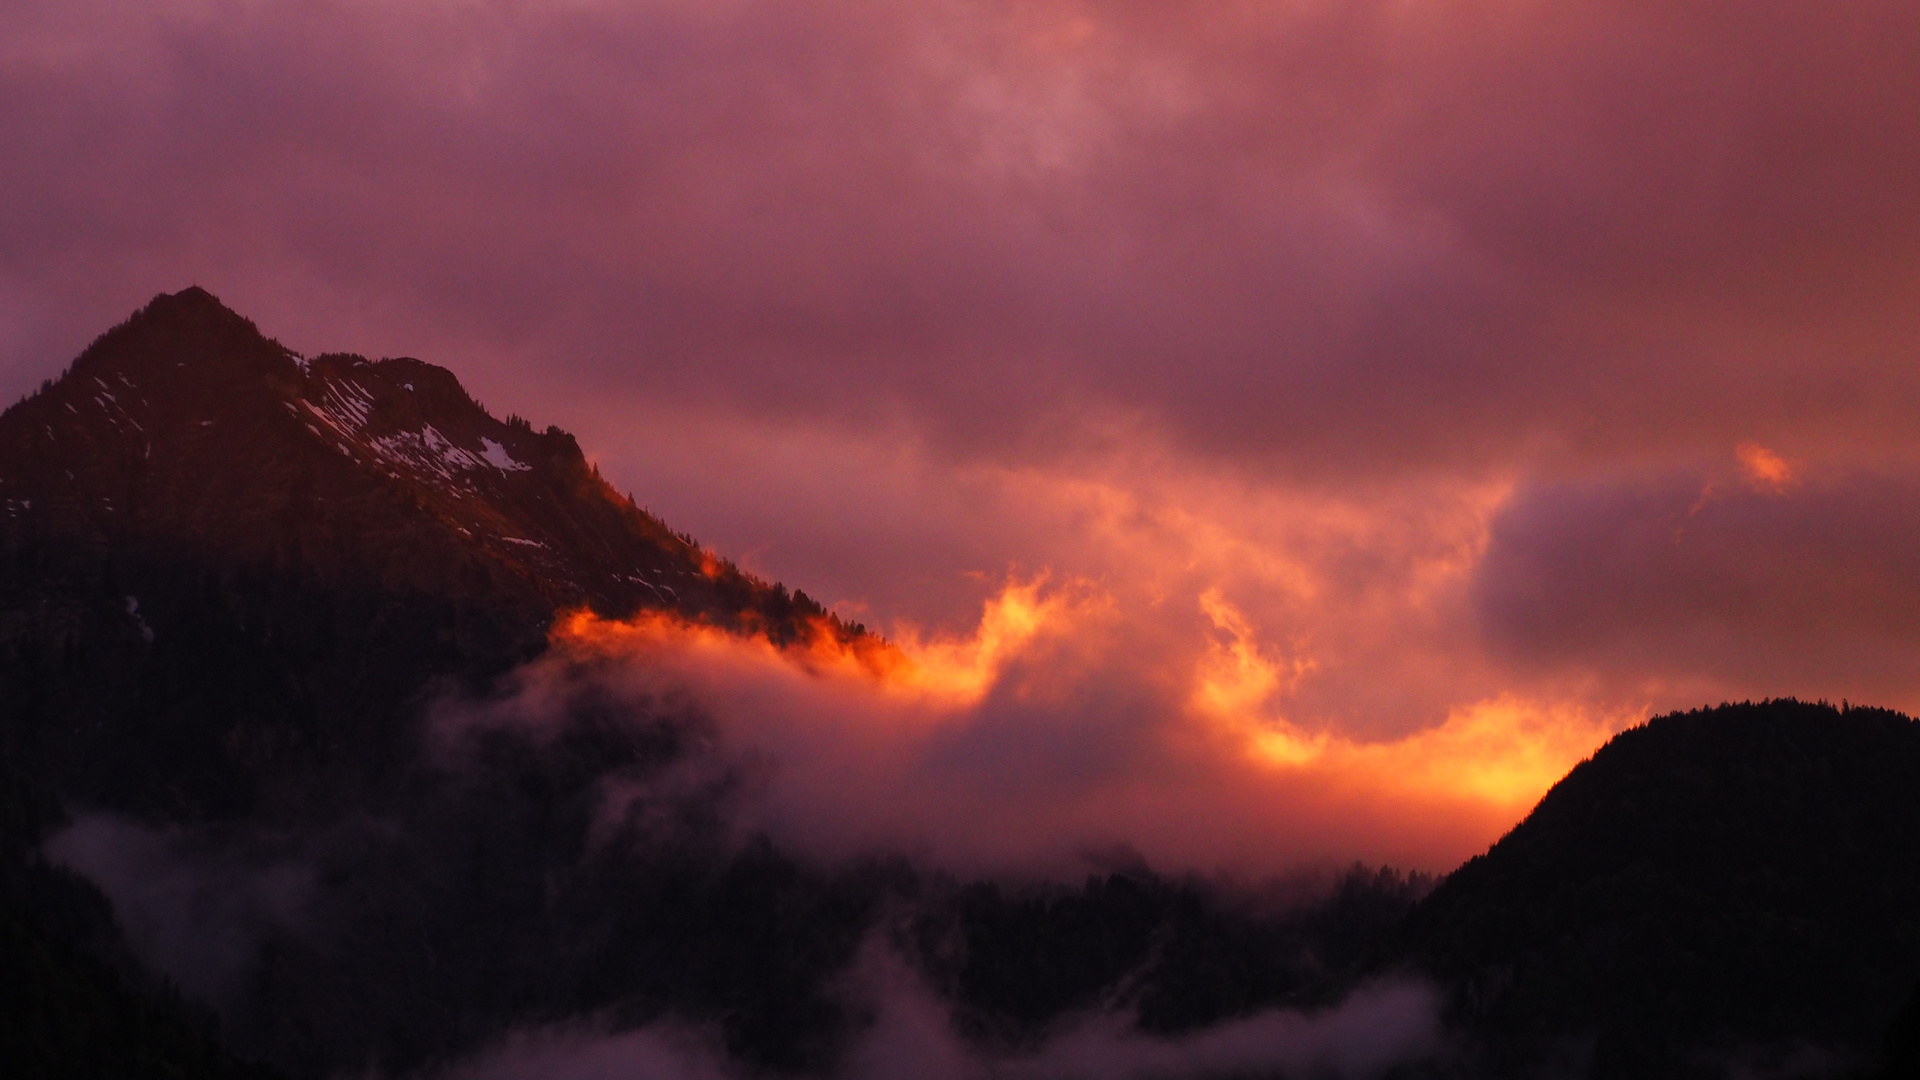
x=1733, y=886
x=233, y=580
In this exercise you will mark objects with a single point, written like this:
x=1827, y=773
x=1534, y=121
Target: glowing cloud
x=1764, y=469
x=1290, y=302
x=1504, y=752
x=1068, y=721
x=943, y=671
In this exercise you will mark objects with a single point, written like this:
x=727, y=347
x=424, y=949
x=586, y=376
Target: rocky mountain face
x=223, y=564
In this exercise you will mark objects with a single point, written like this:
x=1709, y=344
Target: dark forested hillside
x=72, y=1004
x=1731, y=888
x=1178, y=954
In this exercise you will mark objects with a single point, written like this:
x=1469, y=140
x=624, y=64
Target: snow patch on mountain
x=347, y=408
x=499, y=458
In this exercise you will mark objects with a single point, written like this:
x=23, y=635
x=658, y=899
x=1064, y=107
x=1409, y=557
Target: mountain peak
x=192, y=299
x=192, y=503
x=192, y=317
x=191, y=306
x=186, y=420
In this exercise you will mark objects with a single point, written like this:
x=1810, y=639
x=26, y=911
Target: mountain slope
x=68, y=1007
x=231, y=579
x=65, y=1015
x=259, y=560
x=1729, y=887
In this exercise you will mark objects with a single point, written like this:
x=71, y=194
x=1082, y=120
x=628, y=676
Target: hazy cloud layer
x=1469, y=352
x=1378, y=1027
x=193, y=905
x=1064, y=726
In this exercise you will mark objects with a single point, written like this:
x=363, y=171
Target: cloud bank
x=1046, y=735
x=1468, y=358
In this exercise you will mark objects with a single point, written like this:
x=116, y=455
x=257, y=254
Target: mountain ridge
x=1711, y=891
x=400, y=418
x=263, y=560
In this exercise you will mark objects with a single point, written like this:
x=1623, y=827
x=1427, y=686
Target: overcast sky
x=1428, y=359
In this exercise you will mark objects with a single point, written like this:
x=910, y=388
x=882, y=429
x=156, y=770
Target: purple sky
x=1425, y=337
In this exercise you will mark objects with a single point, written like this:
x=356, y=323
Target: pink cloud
x=1371, y=319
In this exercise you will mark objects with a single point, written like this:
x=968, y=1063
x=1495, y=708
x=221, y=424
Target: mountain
x=223, y=565
x=1728, y=891
x=232, y=578
x=234, y=581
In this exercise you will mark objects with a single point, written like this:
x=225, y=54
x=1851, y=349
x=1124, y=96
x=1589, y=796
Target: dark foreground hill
x=1728, y=890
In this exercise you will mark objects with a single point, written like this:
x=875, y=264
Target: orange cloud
x=1067, y=721
x=1764, y=469
x=950, y=671
x=1503, y=752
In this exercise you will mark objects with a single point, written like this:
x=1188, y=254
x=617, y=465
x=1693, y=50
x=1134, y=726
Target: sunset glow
x=1765, y=469
x=1224, y=411
x=826, y=710
x=960, y=539
x=950, y=672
